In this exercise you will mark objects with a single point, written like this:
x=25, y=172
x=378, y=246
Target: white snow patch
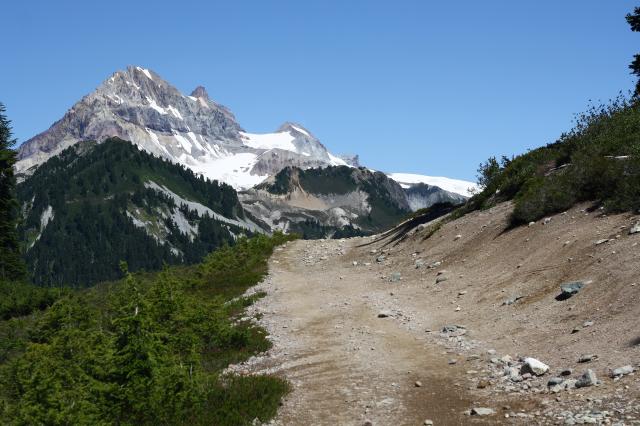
x=155, y=140
x=175, y=112
x=154, y=105
x=186, y=145
x=335, y=161
x=457, y=186
x=298, y=129
x=233, y=169
x=145, y=72
x=194, y=139
x=46, y=217
x=193, y=98
x=280, y=140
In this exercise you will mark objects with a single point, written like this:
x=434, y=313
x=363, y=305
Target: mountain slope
x=321, y=202
x=94, y=205
x=138, y=105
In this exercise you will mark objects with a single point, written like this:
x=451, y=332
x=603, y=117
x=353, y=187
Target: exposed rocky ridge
x=138, y=105
x=334, y=197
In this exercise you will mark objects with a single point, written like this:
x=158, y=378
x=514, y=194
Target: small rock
x=512, y=300
x=621, y=371
x=587, y=358
x=555, y=381
x=482, y=411
x=602, y=241
x=483, y=384
x=587, y=324
x=457, y=237
x=367, y=422
x=419, y=263
x=428, y=422
x=440, y=279
x=354, y=263
x=418, y=384
x=531, y=224
x=533, y=366
x=453, y=361
x=569, y=289
x=380, y=258
x=395, y=277
x=566, y=372
x=587, y=379
x=635, y=229
x=384, y=314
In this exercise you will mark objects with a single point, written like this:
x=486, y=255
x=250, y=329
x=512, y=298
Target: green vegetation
x=79, y=210
x=148, y=349
x=385, y=212
x=11, y=262
x=599, y=160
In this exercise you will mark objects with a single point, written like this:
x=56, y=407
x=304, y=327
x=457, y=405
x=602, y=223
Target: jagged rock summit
x=136, y=104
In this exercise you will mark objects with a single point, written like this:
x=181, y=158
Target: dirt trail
x=346, y=364
x=500, y=285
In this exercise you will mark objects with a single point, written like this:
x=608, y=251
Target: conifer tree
x=633, y=19
x=11, y=262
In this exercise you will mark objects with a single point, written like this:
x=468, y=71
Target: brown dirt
x=347, y=365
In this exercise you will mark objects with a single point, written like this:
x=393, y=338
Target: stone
x=354, y=263
x=395, y=277
x=587, y=358
x=621, y=371
x=533, y=366
x=482, y=411
x=418, y=384
x=419, y=263
x=566, y=372
x=428, y=422
x=380, y=258
x=602, y=241
x=457, y=237
x=569, y=289
x=635, y=229
x=587, y=324
x=367, y=422
x=555, y=381
x=512, y=300
x=483, y=383
x=384, y=314
x=440, y=279
x=588, y=378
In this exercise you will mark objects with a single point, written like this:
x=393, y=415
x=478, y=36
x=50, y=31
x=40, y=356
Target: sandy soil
x=348, y=366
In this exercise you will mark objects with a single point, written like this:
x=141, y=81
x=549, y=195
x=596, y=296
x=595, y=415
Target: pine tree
x=633, y=19
x=11, y=262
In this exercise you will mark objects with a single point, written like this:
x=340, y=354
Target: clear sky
x=431, y=87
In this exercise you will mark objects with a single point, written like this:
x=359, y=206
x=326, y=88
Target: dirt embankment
x=357, y=323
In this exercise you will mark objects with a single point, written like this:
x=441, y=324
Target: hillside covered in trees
x=95, y=205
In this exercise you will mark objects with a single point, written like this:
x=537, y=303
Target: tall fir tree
x=11, y=262
x=633, y=19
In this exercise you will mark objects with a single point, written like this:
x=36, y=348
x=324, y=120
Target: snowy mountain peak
x=296, y=129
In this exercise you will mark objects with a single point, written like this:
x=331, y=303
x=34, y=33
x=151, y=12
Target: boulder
x=635, y=229
x=534, y=367
x=587, y=379
x=621, y=371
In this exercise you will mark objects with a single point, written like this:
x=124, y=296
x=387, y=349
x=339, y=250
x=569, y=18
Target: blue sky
x=415, y=86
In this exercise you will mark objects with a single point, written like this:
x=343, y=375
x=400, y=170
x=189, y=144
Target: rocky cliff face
x=138, y=105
